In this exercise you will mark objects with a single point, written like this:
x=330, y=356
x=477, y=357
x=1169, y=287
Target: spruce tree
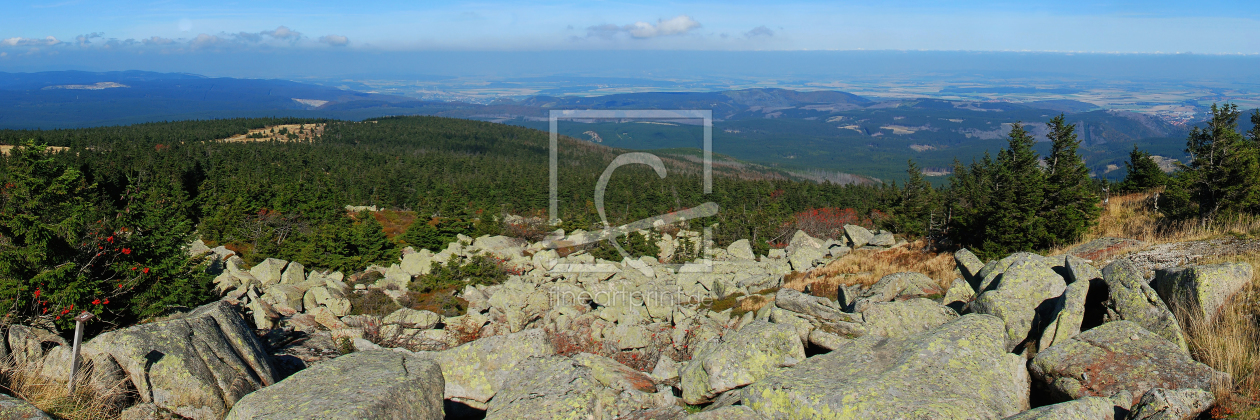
x=1144, y=173
x=1224, y=165
x=1014, y=221
x=1070, y=205
x=915, y=204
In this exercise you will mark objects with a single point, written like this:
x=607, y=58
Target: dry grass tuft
x=865, y=268
x=88, y=403
x=1134, y=216
x=1230, y=343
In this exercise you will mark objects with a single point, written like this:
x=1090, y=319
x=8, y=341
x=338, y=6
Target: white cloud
x=759, y=31
x=203, y=41
x=4, y=54
x=87, y=39
x=335, y=40
x=29, y=42
x=664, y=27
x=157, y=41
x=283, y=33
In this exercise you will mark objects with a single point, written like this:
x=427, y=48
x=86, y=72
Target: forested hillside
x=112, y=211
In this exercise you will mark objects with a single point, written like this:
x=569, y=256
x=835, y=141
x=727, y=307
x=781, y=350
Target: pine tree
x=1070, y=205
x=1224, y=165
x=1144, y=173
x=1014, y=221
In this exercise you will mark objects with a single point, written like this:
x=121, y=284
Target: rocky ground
x=571, y=336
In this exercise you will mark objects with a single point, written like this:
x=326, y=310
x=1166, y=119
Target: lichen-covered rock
x=858, y=236
x=1079, y=270
x=883, y=239
x=294, y=273
x=969, y=265
x=991, y=271
x=1133, y=300
x=413, y=318
x=898, y=285
x=1022, y=298
x=741, y=249
x=419, y=263
x=1169, y=404
x=26, y=344
x=1088, y=408
x=802, y=259
x=585, y=386
x=269, y=271
x=740, y=358
x=197, y=365
x=1203, y=289
x=1068, y=315
x=378, y=384
x=284, y=298
x=730, y=412
x=475, y=371
x=1118, y=356
x=815, y=306
x=12, y=408
x=960, y=370
x=959, y=294
x=905, y=317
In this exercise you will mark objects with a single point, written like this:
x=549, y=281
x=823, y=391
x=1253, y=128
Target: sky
x=50, y=34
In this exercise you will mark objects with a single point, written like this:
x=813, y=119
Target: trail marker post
x=78, y=339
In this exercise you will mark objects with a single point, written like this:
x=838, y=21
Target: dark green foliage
x=1143, y=173
x=433, y=234
x=917, y=206
x=1222, y=176
x=635, y=244
x=996, y=207
x=1070, y=206
x=67, y=245
x=1014, y=221
x=460, y=271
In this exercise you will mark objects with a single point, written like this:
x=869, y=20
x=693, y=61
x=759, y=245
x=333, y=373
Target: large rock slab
x=475, y=371
x=858, y=236
x=740, y=358
x=378, y=384
x=969, y=265
x=1069, y=313
x=12, y=408
x=1088, y=408
x=1079, y=270
x=1115, y=357
x=1130, y=298
x=1024, y=297
x=1103, y=249
x=579, y=387
x=1169, y=404
x=269, y=271
x=1201, y=289
x=960, y=370
x=197, y=365
x=898, y=285
x=905, y=317
x=741, y=249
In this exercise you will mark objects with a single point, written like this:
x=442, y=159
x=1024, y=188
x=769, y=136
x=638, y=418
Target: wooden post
x=78, y=339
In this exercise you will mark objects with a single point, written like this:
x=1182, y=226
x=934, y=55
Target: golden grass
x=1133, y=216
x=54, y=398
x=1230, y=342
x=304, y=132
x=866, y=267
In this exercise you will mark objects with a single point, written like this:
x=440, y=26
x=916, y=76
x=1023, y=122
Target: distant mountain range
x=803, y=131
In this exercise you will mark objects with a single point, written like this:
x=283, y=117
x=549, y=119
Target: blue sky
x=178, y=26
